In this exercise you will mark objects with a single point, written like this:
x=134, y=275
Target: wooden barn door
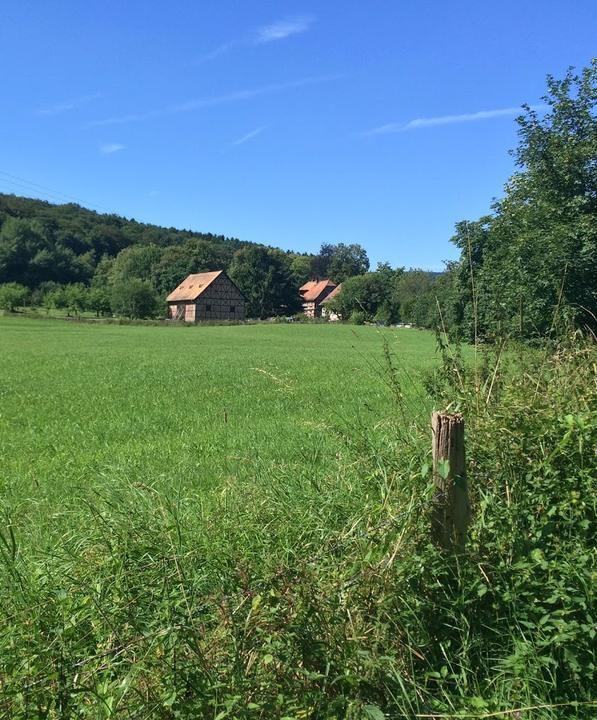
x=189, y=313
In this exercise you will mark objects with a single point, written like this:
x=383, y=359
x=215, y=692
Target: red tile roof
x=312, y=290
x=192, y=286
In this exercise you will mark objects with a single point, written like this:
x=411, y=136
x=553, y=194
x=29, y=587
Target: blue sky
x=289, y=123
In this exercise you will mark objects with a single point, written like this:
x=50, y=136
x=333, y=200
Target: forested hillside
x=68, y=256
x=41, y=241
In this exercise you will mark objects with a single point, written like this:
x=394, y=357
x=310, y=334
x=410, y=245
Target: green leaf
x=256, y=602
x=443, y=469
x=374, y=712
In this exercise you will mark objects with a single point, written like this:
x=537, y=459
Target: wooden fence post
x=451, y=504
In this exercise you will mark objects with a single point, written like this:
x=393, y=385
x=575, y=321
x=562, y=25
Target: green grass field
x=234, y=522
x=92, y=407
x=188, y=461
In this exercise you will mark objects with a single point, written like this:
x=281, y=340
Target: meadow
x=86, y=408
x=213, y=522
x=239, y=440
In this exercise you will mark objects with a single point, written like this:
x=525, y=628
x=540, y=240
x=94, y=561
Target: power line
x=52, y=191
x=19, y=187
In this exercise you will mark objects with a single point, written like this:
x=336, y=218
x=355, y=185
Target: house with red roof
x=313, y=293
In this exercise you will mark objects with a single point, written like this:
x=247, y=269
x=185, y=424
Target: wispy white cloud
x=248, y=136
x=109, y=148
x=262, y=35
x=215, y=100
x=283, y=29
x=447, y=120
x=67, y=105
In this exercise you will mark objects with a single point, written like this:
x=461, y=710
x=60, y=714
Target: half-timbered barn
x=206, y=296
x=313, y=293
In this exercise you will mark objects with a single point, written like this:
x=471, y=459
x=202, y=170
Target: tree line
x=68, y=257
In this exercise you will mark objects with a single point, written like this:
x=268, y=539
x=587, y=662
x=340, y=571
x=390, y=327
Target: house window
x=208, y=308
x=232, y=309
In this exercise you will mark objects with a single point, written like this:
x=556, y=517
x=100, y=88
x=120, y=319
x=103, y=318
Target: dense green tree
x=301, y=267
x=76, y=242
x=373, y=295
x=416, y=298
x=388, y=273
x=59, y=264
x=389, y=295
x=535, y=259
x=192, y=256
x=137, y=261
x=41, y=242
x=12, y=296
x=98, y=301
x=76, y=297
x=55, y=298
x=369, y=294
x=107, y=239
x=320, y=266
x=20, y=241
x=339, y=262
x=347, y=261
x=265, y=277
x=39, y=295
x=103, y=273
x=31, y=254
x=133, y=298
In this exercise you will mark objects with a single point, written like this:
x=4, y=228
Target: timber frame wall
x=222, y=300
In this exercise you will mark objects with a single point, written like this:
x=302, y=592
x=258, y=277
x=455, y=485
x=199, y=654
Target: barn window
x=208, y=308
x=232, y=308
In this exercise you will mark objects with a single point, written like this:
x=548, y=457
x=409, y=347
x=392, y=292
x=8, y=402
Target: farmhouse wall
x=222, y=300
